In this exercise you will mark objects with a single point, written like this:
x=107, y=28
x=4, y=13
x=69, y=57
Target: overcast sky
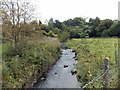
x=66, y=9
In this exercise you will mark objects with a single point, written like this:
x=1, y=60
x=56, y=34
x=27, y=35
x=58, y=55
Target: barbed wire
x=98, y=77
x=114, y=74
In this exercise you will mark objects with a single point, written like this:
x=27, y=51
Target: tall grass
x=34, y=59
x=91, y=53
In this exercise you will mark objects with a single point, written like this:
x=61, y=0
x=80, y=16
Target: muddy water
x=60, y=76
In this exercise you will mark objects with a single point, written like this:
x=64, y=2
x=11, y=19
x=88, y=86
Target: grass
x=91, y=53
x=0, y=65
x=36, y=58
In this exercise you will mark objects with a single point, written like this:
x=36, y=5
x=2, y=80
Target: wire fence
x=101, y=76
x=96, y=79
x=113, y=73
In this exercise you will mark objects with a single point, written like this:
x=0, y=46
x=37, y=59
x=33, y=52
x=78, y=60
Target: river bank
x=60, y=75
x=23, y=69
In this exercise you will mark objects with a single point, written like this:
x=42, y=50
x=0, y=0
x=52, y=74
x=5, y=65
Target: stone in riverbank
x=74, y=72
x=65, y=66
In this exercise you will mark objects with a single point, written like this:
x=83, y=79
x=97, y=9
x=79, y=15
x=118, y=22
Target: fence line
x=101, y=75
x=97, y=78
x=106, y=67
x=105, y=74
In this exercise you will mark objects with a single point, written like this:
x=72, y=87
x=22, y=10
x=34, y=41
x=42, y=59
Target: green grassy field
x=91, y=53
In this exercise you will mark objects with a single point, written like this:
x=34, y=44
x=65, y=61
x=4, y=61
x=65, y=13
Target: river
x=60, y=76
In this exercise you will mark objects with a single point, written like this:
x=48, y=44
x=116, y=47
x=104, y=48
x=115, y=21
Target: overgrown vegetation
x=90, y=54
x=27, y=66
x=30, y=47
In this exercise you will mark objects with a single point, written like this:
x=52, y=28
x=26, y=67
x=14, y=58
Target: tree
x=64, y=36
x=78, y=32
x=35, y=25
x=114, y=30
x=17, y=11
x=58, y=24
x=51, y=24
x=40, y=23
x=13, y=17
x=69, y=22
x=93, y=23
x=104, y=25
x=75, y=32
x=78, y=21
x=44, y=27
x=56, y=31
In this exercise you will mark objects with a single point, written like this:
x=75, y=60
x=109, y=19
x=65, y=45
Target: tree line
x=17, y=20
x=80, y=28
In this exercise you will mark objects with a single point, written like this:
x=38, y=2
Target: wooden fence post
x=106, y=67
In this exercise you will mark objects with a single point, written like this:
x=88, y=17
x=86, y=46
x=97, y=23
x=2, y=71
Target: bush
x=64, y=36
x=34, y=59
x=51, y=34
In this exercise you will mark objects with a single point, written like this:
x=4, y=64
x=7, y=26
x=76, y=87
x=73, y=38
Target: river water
x=60, y=77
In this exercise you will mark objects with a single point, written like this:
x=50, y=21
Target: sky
x=65, y=9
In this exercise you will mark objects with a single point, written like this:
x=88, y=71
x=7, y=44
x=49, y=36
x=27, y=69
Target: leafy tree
x=35, y=25
x=104, y=25
x=40, y=23
x=56, y=31
x=75, y=22
x=75, y=32
x=78, y=21
x=64, y=36
x=58, y=24
x=114, y=30
x=51, y=24
x=44, y=27
x=69, y=22
x=78, y=32
x=93, y=23
x=15, y=12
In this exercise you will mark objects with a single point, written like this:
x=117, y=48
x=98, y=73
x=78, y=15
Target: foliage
x=56, y=31
x=114, y=29
x=64, y=36
x=90, y=54
x=51, y=34
x=38, y=55
x=30, y=47
x=78, y=32
x=75, y=22
x=78, y=27
x=58, y=24
x=27, y=52
x=103, y=26
x=93, y=23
